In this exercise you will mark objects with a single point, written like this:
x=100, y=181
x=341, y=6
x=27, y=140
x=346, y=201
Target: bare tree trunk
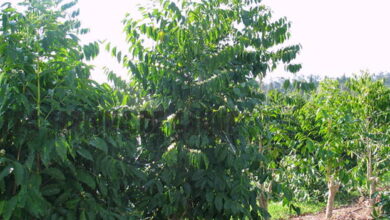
x=264, y=196
x=369, y=172
x=333, y=187
x=372, y=180
x=263, y=199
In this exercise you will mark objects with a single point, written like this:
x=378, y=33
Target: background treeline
x=192, y=135
x=313, y=80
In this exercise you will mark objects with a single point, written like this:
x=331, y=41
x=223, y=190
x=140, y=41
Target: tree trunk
x=264, y=196
x=263, y=200
x=371, y=182
x=332, y=190
x=369, y=173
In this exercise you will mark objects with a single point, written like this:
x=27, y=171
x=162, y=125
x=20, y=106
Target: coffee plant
x=197, y=64
x=192, y=134
x=67, y=147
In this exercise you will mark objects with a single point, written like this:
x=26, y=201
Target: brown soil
x=357, y=211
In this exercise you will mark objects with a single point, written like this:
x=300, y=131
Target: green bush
x=66, y=151
x=199, y=75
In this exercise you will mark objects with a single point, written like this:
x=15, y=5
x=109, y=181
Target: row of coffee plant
x=192, y=135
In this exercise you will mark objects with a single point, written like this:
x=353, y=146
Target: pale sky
x=104, y=18
x=338, y=36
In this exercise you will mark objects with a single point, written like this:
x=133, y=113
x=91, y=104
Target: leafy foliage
x=63, y=141
x=383, y=205
x=198, y=63
x=192, y=135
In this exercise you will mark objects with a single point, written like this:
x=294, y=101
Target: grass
x=385, y=180
x=278, y=211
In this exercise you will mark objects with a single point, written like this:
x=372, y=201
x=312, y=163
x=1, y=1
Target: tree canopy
x=192, y=135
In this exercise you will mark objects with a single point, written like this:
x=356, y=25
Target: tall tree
x=327, y=121
x=371, y=101
x=197, y=62
x=63, y=151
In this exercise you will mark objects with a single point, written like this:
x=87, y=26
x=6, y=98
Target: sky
x=337, y=36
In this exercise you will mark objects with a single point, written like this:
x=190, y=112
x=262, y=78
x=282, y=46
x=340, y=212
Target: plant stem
x=332, y=190
x=38, y=108
x=371, y=180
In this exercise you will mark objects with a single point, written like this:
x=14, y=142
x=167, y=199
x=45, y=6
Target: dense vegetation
x=192, y=135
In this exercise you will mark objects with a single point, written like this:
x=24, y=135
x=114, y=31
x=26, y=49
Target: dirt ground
x=357, y=211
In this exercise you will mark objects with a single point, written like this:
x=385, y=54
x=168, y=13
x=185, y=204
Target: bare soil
x=358, y=211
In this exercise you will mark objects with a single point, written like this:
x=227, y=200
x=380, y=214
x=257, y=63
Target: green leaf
x=108, y=47
x=35, y=181
x=30, y=160
x=85, y=153
x=19, y=173
x=99, y=144
x=48, y=152
x=218, y=202
x=5, y=172
x=237, y=91
x=37, y=205
x=9, y=207
x=55, y=173
x=209, y=197
x=119, y=56
x=51, y=190
x=86, y=178
x=83, y=216
x=72, y=204
x=206, y=161
x=62, y=147
x=2, y=204
x=102, y=184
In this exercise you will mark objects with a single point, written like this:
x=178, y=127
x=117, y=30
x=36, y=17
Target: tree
x=276, y=139
x=371, y=101
x=327, y=121
x=197, y=63
x=66, y=149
